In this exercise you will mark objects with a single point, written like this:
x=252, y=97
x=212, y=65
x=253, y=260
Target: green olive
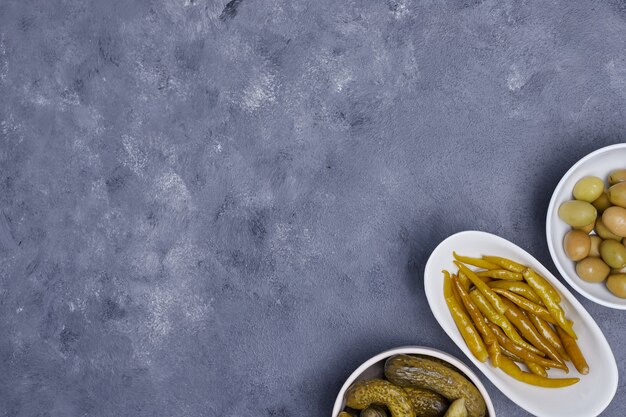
x=619, y=175
x=577, y=245
x=594, y=250
x=602, y=203
x=614, y=218
x=588, y=188
x=592, y=269
x=617, y=194
x=577, y=213
x=613, y=253
x=587, y=229
x=618, y=270
x=604, y=231
x=617, y=285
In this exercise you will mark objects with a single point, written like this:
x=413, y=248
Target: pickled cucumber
x=411, y=371
x=373, y=411
x=378, y=391
x=427, y=403
x=439, y=361
x=457, y=409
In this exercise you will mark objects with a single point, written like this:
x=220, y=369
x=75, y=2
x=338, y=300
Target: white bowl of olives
x=586, y=226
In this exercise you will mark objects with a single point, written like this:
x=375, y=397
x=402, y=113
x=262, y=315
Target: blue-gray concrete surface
x=213, y=208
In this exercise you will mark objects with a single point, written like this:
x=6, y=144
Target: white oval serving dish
x=599, y=163
x=587, y=398
x=373, y=368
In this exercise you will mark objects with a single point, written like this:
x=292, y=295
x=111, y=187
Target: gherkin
x=411, y=371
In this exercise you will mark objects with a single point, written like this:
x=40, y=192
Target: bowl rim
x=414, y=350
x=551, y=207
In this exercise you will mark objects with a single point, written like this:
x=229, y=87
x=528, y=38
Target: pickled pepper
x=463, y=322
x=542, y=288
x=505, y=263
x=479, y=321
x=501, y=274
x=480, y=263
x=549, y=334
x=519, y=288
x=501, y=320
x=509, y=367
x=464, y=280
x=526, y=304
x=511, y=355
x=574, y=352
x=493, y=298
x=523, y=324
x=456, y=295
x=524, y=354
x=536, y=369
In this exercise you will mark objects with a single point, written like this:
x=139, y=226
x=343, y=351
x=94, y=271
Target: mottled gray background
x=212, y=209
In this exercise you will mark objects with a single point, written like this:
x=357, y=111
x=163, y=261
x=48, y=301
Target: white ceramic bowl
x=598, y=163
x=588, y=397
x=373, y=368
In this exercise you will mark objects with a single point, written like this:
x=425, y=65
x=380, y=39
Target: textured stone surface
x=212, y=209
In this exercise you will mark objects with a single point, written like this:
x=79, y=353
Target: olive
x=617, y=285
x=588, y=188
x=613, y=253
x=618, y=270
x=614, y=218
x=577, y=213
x=592, y=269
x=604, y=231
x=619, y=175
x=602, y=203
x=587, y=229
x=577, y=245
x=617, y=194
x=594, y=250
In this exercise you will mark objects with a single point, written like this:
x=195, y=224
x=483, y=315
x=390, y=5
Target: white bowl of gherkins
x=413, y=381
